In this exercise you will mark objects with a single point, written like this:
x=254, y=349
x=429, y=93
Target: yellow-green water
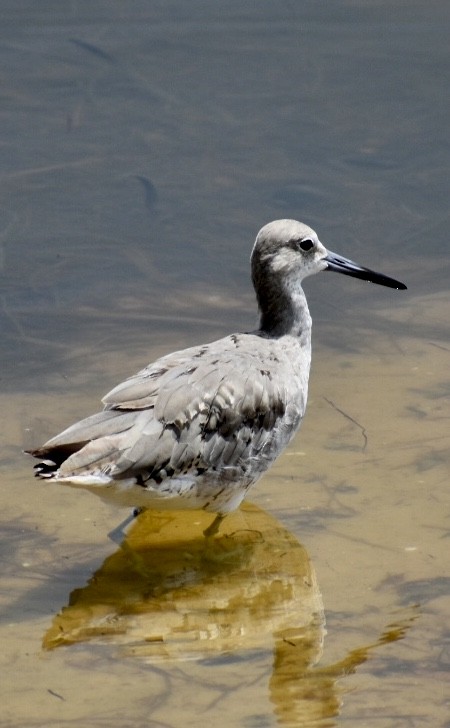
x=327, y=600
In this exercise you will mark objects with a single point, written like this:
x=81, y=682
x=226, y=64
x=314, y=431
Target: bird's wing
x=141, y=390
x=138, y=392
x=206, y=407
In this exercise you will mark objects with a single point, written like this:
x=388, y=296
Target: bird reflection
x=168, y=594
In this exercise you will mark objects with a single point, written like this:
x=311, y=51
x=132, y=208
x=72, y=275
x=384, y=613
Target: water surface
x=142, y=148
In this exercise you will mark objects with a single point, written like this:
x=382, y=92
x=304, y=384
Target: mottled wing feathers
x=140, y=390
x=212, y=406
x=108, y=422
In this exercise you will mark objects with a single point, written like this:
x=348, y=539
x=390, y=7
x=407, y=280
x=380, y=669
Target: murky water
x=142, y=148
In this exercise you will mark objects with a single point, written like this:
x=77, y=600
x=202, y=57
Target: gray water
x=143, y=145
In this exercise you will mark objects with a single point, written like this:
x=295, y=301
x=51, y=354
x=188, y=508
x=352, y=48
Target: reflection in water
x=303, y=694
x=165, y=595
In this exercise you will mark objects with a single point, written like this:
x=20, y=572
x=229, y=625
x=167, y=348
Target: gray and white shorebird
x=198, y=427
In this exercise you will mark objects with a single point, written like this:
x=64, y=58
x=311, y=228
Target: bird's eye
x=306, y=245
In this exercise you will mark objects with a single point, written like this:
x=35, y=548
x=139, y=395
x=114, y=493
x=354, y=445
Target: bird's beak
x=343, y=265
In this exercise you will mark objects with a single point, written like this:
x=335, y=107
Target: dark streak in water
x=56, y=695
x=95, y=50
x=151, y=196
x=348, y=417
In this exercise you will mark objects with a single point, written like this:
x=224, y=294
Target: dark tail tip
x=45, y=469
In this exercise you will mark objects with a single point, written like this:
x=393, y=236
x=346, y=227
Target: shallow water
x=142, y=149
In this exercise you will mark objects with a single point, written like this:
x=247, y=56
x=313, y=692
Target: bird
x=198, y=427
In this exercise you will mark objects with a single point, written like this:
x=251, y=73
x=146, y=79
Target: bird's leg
x=118, y=533
x=215, y=525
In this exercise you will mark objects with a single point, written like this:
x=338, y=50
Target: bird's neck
x=285, y=313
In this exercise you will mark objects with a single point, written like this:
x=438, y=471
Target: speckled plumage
x=198, y=427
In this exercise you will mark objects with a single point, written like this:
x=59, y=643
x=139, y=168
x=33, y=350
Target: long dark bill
x=349, y=268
